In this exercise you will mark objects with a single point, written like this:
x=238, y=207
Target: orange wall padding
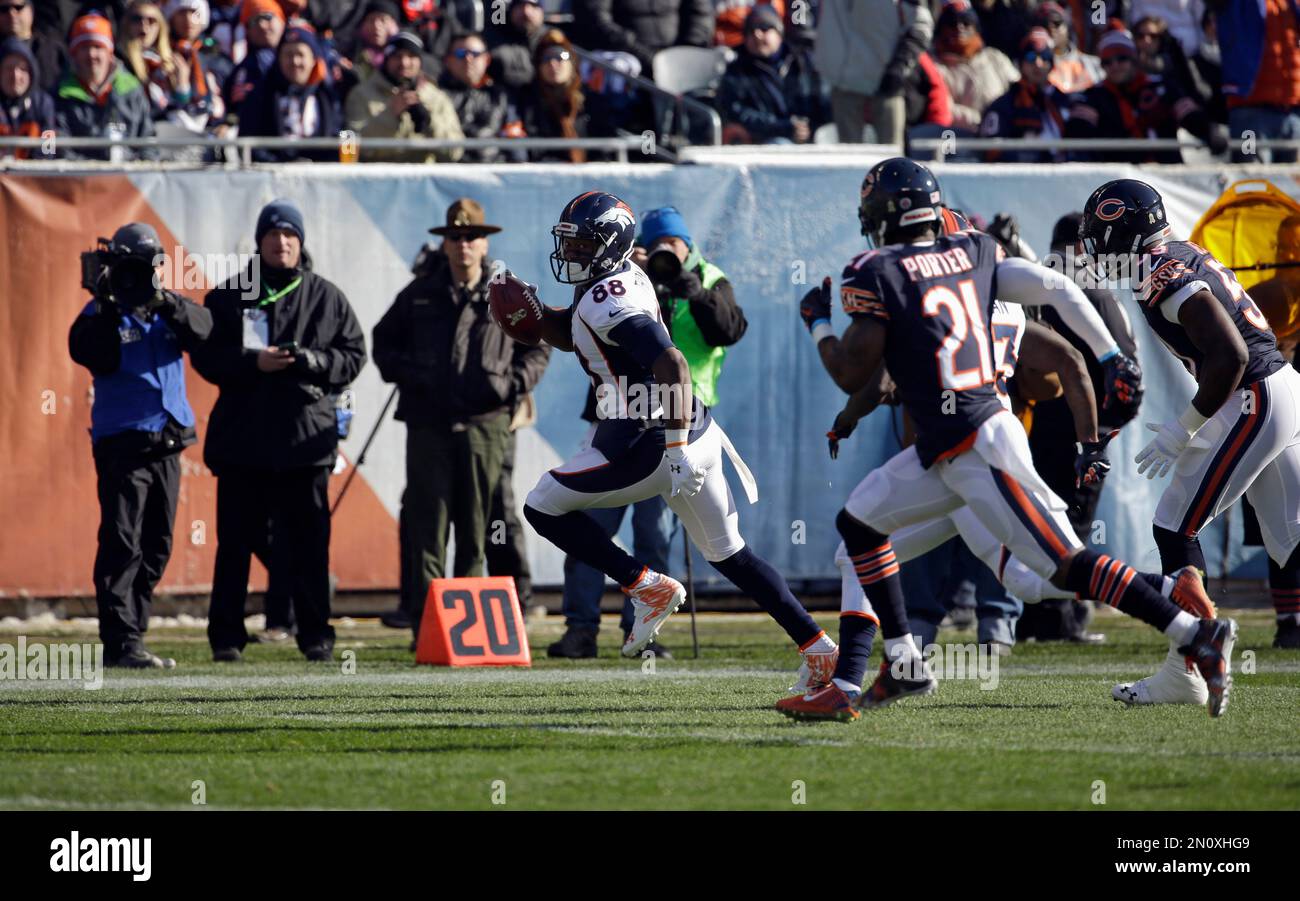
x=48, y=508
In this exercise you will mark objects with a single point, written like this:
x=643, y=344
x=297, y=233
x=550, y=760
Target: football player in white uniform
x=651, y=437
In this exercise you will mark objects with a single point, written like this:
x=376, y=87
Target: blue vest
x=147, y=386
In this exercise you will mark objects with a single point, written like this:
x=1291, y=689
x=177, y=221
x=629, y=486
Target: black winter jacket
x=483, y=113
x=451, y=363
x=762, y=94
x=642, y=27
x=286, y=419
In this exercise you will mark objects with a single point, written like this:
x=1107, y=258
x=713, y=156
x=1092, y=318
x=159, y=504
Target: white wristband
x=675, y=437
x=1191, y=419
x=822, y=329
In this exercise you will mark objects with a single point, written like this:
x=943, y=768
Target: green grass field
x=277, y=732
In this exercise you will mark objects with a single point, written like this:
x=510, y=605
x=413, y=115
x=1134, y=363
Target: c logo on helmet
x=1111, y=209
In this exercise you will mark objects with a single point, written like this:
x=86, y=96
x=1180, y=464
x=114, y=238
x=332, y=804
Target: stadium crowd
x=892, y=70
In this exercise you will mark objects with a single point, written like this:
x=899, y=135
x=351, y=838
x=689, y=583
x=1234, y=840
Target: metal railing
x=680, y=103
x=943, y=147
x=239, y=150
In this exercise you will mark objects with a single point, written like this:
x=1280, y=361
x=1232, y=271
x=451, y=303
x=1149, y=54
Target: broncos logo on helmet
x=593, y=238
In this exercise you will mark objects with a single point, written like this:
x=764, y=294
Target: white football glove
x=1161, y=454
x=687, y=475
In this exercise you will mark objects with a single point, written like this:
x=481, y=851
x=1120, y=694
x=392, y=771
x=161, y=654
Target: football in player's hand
x=515, y=308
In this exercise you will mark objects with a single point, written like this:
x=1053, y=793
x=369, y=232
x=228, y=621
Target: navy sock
x=877, y=568
x=1177, y=551
x=1112, y=581
x=857, y=632
x=578, y=534
x=1284, y=584
x=755, y=577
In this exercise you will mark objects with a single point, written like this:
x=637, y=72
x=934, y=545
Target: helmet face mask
x=1123, y=219
x=593, y=238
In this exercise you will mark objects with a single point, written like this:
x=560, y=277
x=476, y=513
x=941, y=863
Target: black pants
x=509, y=555
x=137, y=510
x=296, y=504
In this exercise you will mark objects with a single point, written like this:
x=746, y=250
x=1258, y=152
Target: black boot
x=575, y=644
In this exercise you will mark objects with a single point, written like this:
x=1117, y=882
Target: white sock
x=1167, y=587
x=901, y=647
x=1028, y=585
x=1183, y=629
x=823, y=645
x=847, y=687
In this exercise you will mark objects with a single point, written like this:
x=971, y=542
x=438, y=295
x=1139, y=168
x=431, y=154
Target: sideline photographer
x=703, y=318
x=131, y=336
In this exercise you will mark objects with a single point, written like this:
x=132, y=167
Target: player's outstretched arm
x=557, y=328
x=1031, y=284
x=1046, y=351
x=1209, y=328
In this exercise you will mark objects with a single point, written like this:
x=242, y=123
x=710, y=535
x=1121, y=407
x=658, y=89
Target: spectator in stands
x=399, y=101
x=976, y=74
x=459, y=378
x=227, y=31
x=1003, y=23
x=1207, y=70
x=1075, y=70
x=295, y=101
x=698, y=304
x=16, y=22
x=146, y=50
x=482, y=106
x=1182, y=19
x=513, y=43
x=771, y=94
x=643, y=27
x=25, y=110
x=554, y=105
x=272, y=437
x=97, y=97
x=929, y=107
x=866, y=50
x=199, y=67
x=263, y=22
x=1160, y=54
x=729, y=18
x=1132, y=104
x=1260, y=44
x=378, y=26
x=1032, y=107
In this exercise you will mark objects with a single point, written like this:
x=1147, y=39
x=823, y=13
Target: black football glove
x=1092, y=466
x=843, y=428
x=687, y=285
x=816, y=304
x=1122, y=378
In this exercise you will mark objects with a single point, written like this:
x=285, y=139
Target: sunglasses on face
x=467, y=53
x=141, y=19
x=1110, y=61
x=1146, y=36
x=13, y=7
x=552, y=55
x=1033, y=56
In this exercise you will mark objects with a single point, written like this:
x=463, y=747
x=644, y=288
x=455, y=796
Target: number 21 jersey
x=936, y=303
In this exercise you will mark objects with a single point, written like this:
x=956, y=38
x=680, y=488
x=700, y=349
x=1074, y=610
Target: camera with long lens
x=663, y=266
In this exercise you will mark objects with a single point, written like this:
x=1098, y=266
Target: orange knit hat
x=90, y=28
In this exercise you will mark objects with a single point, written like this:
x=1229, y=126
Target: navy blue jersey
x=936, y=302
x=1179, y=270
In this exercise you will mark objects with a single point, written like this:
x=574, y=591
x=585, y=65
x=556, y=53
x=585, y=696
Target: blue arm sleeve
x=643, y=338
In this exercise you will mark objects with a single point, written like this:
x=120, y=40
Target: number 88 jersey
x=936, y=303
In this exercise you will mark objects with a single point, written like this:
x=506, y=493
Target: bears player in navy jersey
x=652, y=436
x=1241, y=432
x=922, y=304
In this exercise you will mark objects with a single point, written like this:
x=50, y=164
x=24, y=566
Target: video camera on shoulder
x=121, y=269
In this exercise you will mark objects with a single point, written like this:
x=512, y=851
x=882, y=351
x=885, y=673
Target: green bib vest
x=704, y=360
